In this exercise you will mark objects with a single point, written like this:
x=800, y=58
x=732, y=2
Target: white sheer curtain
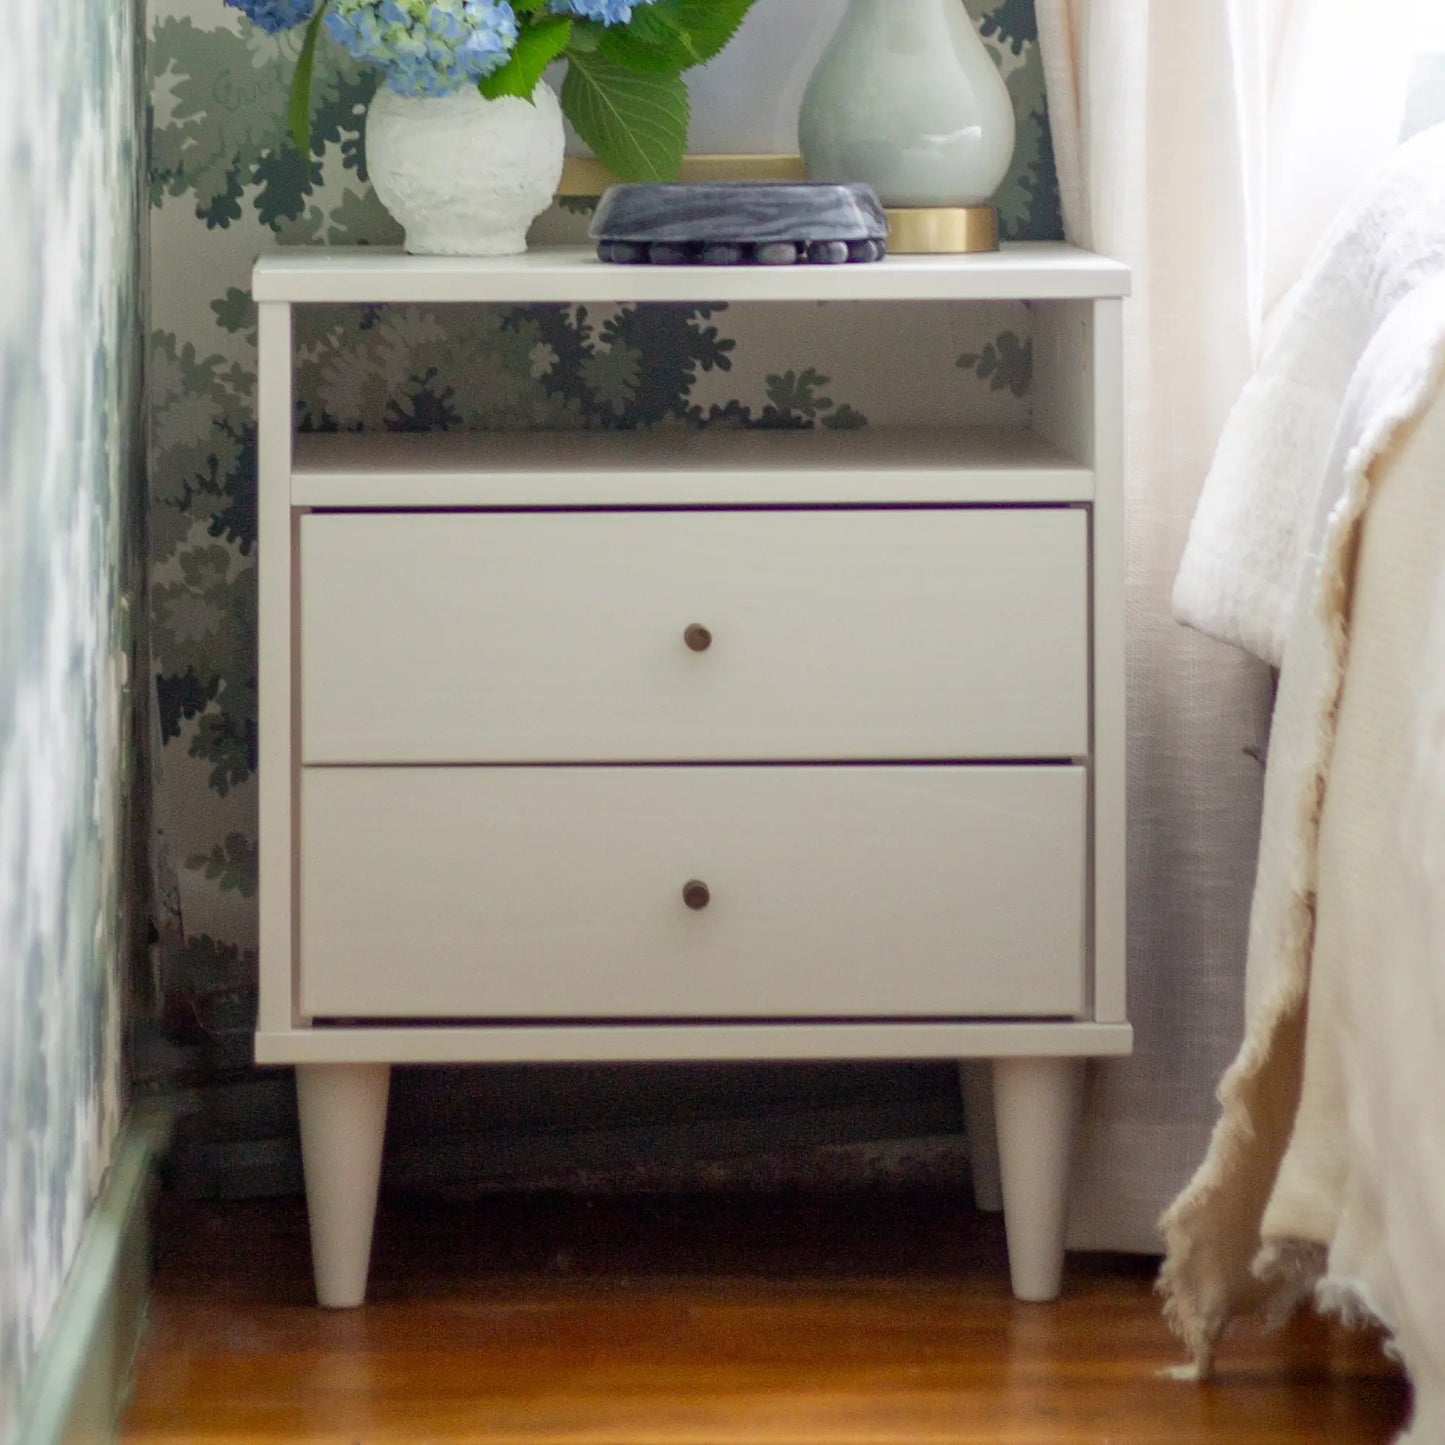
x=1207, y=143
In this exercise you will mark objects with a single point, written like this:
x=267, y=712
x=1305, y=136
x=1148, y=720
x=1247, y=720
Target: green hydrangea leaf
x=707, y=25
x=537, y=47
x=635, y=122
x=586, y=36
x=660, y=29
x=621, y=47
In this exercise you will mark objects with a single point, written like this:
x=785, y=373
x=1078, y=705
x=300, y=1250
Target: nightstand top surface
x=1025, y=271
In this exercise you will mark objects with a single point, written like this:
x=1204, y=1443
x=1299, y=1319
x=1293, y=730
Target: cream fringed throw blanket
x=1327, y=1169
x=1247, y=557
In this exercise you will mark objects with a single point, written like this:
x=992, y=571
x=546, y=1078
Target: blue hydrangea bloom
x=274, y=15
x=426, y=47
x=609, y=12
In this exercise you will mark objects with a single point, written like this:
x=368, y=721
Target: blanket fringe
x=1290, y=1270
x=1210, y=1274
x=1202, y=1294
x=1216, y=1267
x=1348, y=1302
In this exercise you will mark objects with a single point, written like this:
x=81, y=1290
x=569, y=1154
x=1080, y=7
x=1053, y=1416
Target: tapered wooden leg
x=976, y=1078
x=1036, y=1105
x=343, y=1121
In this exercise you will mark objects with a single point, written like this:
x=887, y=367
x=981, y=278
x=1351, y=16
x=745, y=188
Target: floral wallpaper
x=71, y=424
x=224, y=186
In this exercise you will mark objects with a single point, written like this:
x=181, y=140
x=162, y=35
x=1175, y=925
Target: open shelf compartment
x=674, y=466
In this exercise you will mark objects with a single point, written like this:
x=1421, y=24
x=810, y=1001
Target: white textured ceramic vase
x=908, y=99
x=465, y=176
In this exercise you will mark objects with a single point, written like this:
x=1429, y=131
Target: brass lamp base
x=942, y=231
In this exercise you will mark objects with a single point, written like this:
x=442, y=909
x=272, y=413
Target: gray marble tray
x=739, y=223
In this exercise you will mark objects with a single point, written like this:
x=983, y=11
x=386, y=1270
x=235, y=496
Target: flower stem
x=298, y=112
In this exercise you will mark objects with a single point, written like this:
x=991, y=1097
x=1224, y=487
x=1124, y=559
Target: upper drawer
x=515, y=637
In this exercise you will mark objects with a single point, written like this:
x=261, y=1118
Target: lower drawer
x=816, y=892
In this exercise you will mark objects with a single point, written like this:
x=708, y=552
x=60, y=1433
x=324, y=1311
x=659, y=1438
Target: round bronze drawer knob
x=697, y=637
x=696, y=894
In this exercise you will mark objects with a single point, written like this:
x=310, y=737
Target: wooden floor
x=871, y=1318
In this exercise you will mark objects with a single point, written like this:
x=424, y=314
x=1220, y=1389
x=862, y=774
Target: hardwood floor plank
x=758, y=1321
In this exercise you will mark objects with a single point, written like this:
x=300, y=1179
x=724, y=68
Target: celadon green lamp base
x=908, y=99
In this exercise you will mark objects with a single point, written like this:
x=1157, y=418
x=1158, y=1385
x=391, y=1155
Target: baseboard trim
x=81, y=1376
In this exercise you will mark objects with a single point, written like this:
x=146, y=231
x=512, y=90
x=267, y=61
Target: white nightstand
x=646, y=746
